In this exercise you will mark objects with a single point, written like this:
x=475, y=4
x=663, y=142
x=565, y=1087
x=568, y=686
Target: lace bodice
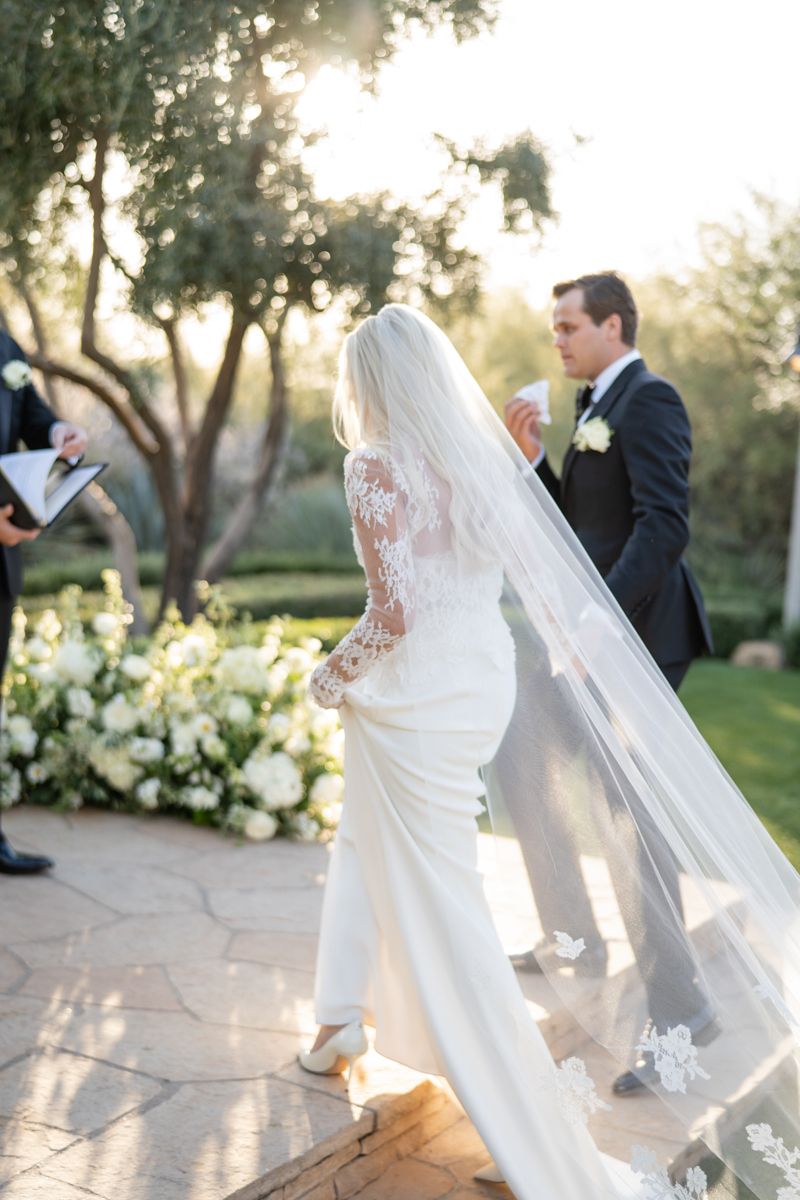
x=417, y=590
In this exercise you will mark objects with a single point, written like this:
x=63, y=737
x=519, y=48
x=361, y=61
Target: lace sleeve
x=381, y=530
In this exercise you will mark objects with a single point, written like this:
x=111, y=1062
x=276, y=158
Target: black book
x=38, y=497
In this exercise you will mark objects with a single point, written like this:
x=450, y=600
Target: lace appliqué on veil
x=569, y=947
x=656, y=1180
x=365, y=645
x=775, y=1153
x=366, y=498
x=414, y=510
x=574, y=1089
x=674, y=1055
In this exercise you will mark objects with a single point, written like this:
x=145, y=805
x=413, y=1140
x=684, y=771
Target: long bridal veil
x=613, y=841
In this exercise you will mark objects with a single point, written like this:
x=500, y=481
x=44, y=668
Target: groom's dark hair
x=603, y=295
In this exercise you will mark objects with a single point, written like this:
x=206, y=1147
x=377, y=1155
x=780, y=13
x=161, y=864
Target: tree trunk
x=267, y=476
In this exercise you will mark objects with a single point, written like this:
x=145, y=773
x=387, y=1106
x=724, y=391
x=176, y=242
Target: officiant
x=24, y=417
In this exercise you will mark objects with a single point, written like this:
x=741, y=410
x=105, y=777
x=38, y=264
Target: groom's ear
x=613, y=328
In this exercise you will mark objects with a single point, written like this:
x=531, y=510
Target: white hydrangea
x=105, y=624
x=10, y=788
x=276, y=679
x=322, y=721
x=147, y=793
x=181, y=702
x=22, y=737
x=183, y=738
x=259, y=826
x=274, y=780
x=113, y=763
x=213, y=747
x=238, y=711
x=77, y=663
x=199, y=798
x=327, y=788
x=304, y=827
x=119, y=716
x=245, y=668
x=298, y=661
x=36, y=773
x=135, y=667
x=278, y=727
x=38, y=650
x=80, y=702
x=297, y=743
x=146, y=749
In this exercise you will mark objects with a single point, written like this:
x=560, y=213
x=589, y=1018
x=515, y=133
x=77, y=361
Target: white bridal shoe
x=349, y=1043
x=490, y=1174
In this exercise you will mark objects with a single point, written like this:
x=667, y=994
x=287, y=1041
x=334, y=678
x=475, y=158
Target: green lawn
x=751, y=720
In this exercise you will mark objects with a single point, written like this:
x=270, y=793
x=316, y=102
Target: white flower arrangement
x=595, y=434
x=16, y=374
x=192, y=721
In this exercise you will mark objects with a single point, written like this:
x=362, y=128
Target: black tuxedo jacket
x=629, y=507
x=24, y=416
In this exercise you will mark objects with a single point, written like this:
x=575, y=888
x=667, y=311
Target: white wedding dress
x=408, y=942
x=430, y=684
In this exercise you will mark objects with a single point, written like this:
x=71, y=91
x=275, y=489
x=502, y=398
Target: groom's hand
x=522, y=422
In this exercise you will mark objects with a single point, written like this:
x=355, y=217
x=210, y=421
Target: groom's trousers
x=538, y=765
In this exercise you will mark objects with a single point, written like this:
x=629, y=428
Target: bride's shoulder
x=364, y=461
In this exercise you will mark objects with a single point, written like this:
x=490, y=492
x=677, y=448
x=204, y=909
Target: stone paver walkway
x=155, y=990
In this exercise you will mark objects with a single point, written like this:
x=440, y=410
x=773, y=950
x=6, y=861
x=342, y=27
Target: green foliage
x=751, y=720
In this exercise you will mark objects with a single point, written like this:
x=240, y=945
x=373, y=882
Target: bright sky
x=689, y=106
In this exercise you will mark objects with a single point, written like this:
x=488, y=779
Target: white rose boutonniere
x=16, y=375
x=593, y=435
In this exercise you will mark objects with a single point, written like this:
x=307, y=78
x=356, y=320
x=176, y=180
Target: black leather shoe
x=643, y=1070
x=12, y=863
x=590, y=964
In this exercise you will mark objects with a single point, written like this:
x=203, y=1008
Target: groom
x=628, y=502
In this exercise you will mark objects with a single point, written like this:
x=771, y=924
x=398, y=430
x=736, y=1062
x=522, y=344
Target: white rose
x=37, y=649
x=238, y=711
x=183, y=738
x=75, y=662
x=36, y=773
x=199, y=798
x=145, y=749
x=105, y=624
x=298, y=661
x=245, y=668
x=21, y=735
x=204, y=725
x=593, y=435
x=147, y=793
x=327, y=788
x=259, y=826
x=16, y=375
x=135, y=667
x=80, y=702
x=118, y=716
x=113, y=763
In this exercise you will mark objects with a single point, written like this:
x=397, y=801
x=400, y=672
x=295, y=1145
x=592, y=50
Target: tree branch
x=268, y=472
x=40, y=338
x=198, y=461
x=179, y=372
x=140, y=437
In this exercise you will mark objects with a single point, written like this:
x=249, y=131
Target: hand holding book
x=36, y=498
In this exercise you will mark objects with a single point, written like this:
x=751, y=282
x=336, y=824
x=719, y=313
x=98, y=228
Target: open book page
x=27, y=473
x=71, y=483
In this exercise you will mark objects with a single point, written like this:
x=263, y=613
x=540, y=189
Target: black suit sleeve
x=31, y=418
x=656, y=443
x=550, y=480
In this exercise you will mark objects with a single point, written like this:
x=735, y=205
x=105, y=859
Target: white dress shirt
x=605, y=379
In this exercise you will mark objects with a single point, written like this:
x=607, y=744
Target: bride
x=474, y=581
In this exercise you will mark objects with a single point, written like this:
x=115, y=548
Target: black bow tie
x=584, y=399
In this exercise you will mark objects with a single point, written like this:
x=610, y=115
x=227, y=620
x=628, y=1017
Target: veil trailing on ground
x=613, y=841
